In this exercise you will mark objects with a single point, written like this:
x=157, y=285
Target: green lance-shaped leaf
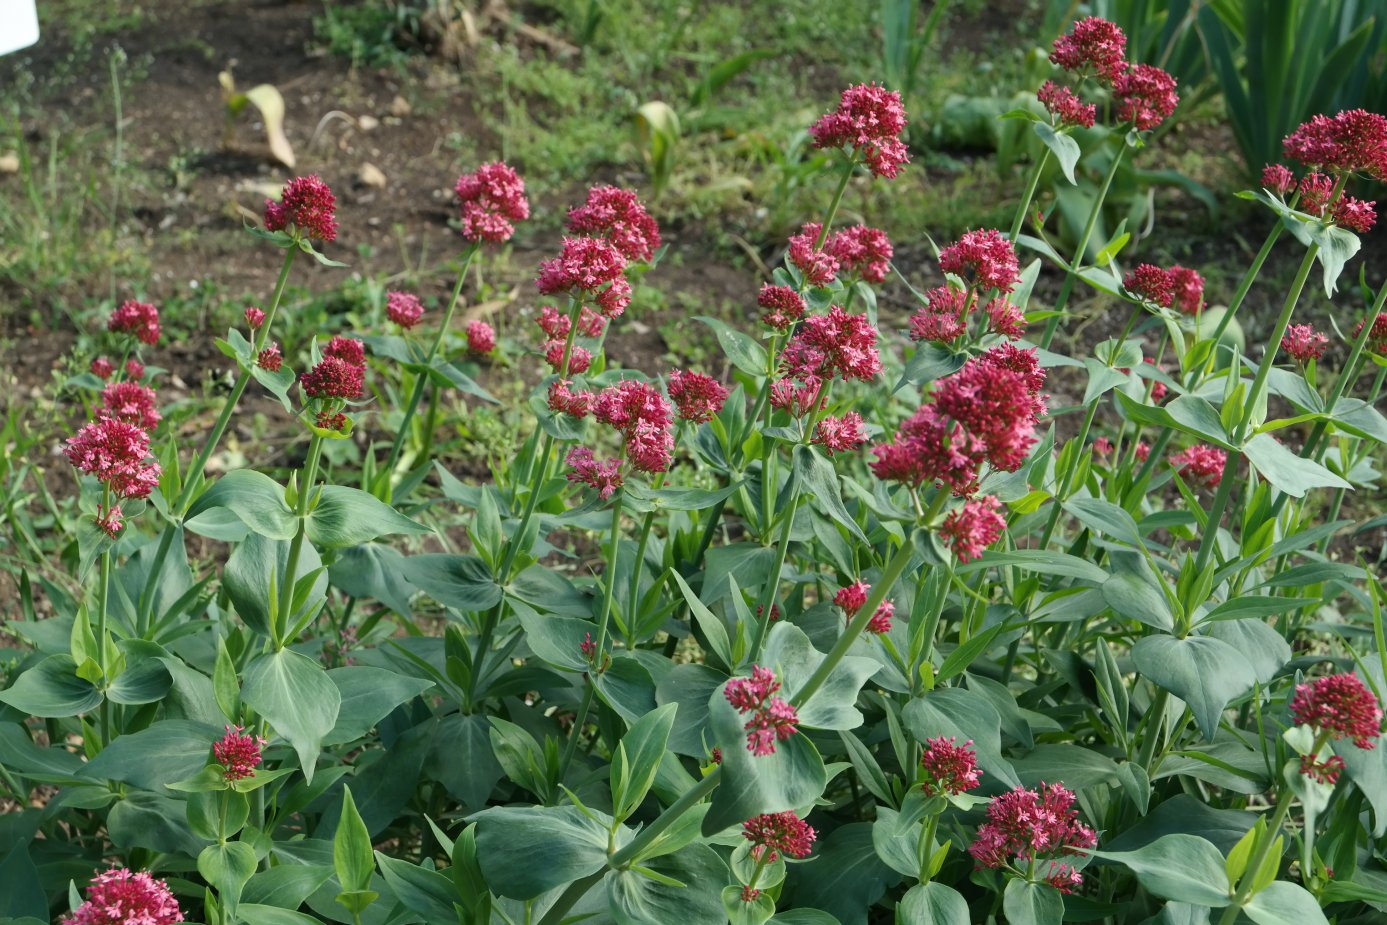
x=1204, y=672
x=527, y=851
x=1063, y=146
x=638, y=759
x=348, y=516
x=1181, y=868
x=255, y=498
x=352, y=857
x=296, y=695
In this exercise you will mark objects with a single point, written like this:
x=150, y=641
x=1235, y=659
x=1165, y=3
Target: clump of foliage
x=868, y=632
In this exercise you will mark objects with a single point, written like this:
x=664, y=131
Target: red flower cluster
x=798, y=397
x=403, y=308
x=618, y=216
x=481, y=337
x=833, y=345
x=1178, y=287
x=869, y=119
x=605, y=476
x=132, y=403
x=783, y=306
x=254, y=318
x=579, y=358
x=1094, y=46
x=340, y=375
x=102, y=368
x=122, y=897
x=138, y=319
x=1201, y=465
x=644, y=418
x=588, y=269
x=949, y=769
x=1340, y=705
x=308, y=205
x=772, y=719
x=779, y=833
x=563, y=400
x=1276, y=178
x=854, y=596
x=1031, y=825
x=1353, y=141
x=970, y=529
x=237, y=753
x=818, y=266
x=1303, y=343
x=840, y=434
x=270, y=359
x=696, y=396
x=984, y=413
x=117, y=453
x=491, y=198
x=1377, y=336
x=1061, y=103
x=983, y=258
x=1145, y=96
x=862, y=250
x=943, y=319
x=134, y=369
x=1355, y=214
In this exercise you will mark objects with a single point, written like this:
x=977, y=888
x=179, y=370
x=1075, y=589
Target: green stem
x=1154, y=728
x=576, y=890
x=286, y=584
x=1052, y=325
x=1225, y=489
x=1258, y=858
x=767, y=601
x=421, y=381
x=1244, y=286
x=691, y=797
x=893, y=571
x=192, y=478
x=1259, y=383
x=604, y=620
x=1020, y=218
x=1067, y=480
x=102, y=594
x=927, y=846
x=837, y=200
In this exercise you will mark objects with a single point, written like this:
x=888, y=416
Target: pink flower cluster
x=1145, y=96
x=254, y=317
x=833, y=345
x=270, y=359
x=588, y=269
x=1025, y=826
x=1061, y=103
x=1201, y=465
x=869, y=119
x=644, y=418
x=618, y=216
x=1178, y=287
x=696, y=396
x=306, y=203
x=778, y=833
x=1351, y=142
x=854, y=597
x=772, y=719
x=949, y=769
x=1341, y=705
x=481, y=337
x=984, y=413
x=121, y=896
x=340, y=374
x=841, y=434
x=863, y=251
x=1093, y=46
x=132, y=403
x=491, y=198
x=403, y=309
x=586, y=469
x=783, y=306
x=138, y=319
x=237, y=753
x=1377, y=335
x=1303, y=343
x=970, y=529
x=984, y=258
x=116, y=451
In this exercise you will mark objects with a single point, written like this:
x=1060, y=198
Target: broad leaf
x=296, y=695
